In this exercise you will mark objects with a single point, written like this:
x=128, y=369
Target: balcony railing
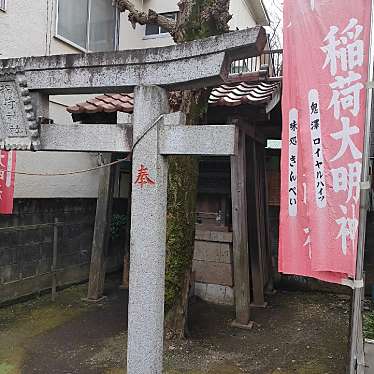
x=266, y=67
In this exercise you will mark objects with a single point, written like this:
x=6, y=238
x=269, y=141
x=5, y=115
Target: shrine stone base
x=213, y=267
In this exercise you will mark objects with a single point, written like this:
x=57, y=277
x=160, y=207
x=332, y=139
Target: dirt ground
x=303, y=333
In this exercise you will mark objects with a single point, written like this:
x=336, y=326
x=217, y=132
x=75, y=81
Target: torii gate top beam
x=196, y=64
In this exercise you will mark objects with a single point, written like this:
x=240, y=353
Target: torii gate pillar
x=157, y=134
x=148, y=237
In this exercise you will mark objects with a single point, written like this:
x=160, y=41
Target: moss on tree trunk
x=198, y=19
x=182, y=188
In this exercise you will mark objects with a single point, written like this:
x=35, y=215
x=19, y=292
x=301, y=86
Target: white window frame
x=3, y=5
x=75, y=45
x=160, y=34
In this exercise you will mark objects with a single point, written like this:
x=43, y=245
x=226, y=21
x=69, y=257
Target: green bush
x=117, y=225
x=369, y=325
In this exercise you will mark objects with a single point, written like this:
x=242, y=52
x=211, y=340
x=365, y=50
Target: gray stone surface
x=18, y=128
x=196, y=64
x=122, y=78
x=124, y=118
x=212, y=267
x=213, y=272
x=171, y=119
x=148, y=237
x=215, y=293
x=86, y=137
x=197, y=140
x=212, y=252
x=369, y=357
x=214, y=236
x=148, y=217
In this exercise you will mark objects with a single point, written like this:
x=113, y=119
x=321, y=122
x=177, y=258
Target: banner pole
x=357, y=361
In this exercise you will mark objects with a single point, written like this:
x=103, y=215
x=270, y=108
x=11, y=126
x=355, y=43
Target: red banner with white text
x=326, y=46
x=7, y=168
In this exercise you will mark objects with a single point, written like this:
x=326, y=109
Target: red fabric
x=326, y=45
x=7, y=168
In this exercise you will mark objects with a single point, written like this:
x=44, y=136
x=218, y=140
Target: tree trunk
x=198, y=19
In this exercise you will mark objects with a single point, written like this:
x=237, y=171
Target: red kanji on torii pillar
x=143, y=177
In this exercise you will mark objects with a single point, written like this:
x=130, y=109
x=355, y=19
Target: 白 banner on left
x=7, y=176
x=324, y=97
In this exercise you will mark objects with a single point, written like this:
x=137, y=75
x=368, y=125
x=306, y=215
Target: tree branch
x=199, y=19
x=143, y=18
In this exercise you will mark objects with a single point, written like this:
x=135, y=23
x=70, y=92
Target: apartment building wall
x=242, y=15
x=27, y=28
x=130, y=38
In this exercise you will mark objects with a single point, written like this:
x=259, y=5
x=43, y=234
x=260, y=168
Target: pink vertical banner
x=324, y=97
x=7, y=168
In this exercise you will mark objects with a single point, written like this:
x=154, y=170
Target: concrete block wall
x=26, y=256
x=212, y=267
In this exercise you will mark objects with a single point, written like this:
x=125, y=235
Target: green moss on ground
x=311, y=367
x=6, y=368
x=23, y=321
x=115, y=371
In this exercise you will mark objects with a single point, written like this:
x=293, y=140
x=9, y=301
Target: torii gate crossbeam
x=196, y=64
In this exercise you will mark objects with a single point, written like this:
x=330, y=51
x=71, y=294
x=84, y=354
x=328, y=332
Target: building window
x=3, y=5
x=156, y=29
x=90, y=25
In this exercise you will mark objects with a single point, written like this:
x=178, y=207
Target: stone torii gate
x=155, y=133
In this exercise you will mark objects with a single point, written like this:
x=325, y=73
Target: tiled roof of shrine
x=226, y=95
